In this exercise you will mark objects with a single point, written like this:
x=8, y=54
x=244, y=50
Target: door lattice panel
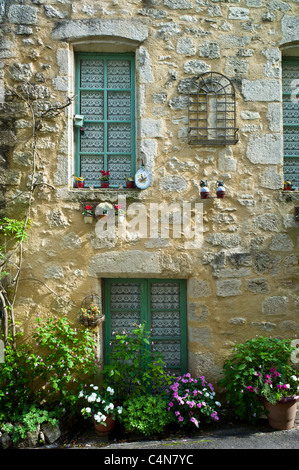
x=159, y=304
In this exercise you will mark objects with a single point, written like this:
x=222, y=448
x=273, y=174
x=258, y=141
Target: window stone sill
x=100, y=194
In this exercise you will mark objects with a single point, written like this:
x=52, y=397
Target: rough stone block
x=257, y=285
x=198, y=288
x=227, y=288
x=78, y=29
x=281, y=242
x=115, y=262
x=290, y=29
x=261, y=90
x=265, y=149
x=236, y=13
x=22, y=14
x=267, y=222
x=178, y=4
x=173, y=183
x=276, y=305
x=151, y=127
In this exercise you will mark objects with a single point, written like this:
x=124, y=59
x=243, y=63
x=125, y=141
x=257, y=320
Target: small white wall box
x=78, y=120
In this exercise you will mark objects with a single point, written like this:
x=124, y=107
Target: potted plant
x=259, y=372
x=191, y=400
x=279, y=393
x=119, y=212
x=79, y=181
x=287, y=186
x=88, y=214
x=105, y=179
x=204, y=192
x=91, y=316
x=100, y=407
x=130, y=183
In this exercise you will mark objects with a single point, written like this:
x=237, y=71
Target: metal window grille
x=290, y=75
x=212, y=110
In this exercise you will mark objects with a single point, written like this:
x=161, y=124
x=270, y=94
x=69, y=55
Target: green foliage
x=50, y=372
x=248, y=362
x=146, y=414
x=17, y=375
x=67, y=357
x=16, y=229
x=28, y=422
x=135, y=367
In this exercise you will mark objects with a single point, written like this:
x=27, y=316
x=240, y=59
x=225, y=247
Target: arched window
x=212, y=110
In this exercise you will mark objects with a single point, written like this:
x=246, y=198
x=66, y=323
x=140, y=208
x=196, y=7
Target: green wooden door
x=160, y=304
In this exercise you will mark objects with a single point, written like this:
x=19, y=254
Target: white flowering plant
x=100, y=403
x=191, y=400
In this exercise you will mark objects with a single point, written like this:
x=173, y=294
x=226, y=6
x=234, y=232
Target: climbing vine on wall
x=23, y=100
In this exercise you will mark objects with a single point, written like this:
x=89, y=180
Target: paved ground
x=228, y=436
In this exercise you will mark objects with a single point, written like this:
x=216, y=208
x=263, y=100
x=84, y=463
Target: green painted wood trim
x=145, y=312
x=105, y=57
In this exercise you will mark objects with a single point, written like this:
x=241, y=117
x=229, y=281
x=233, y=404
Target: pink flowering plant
x=259, y=368
x=275, y=386
x=192, y=400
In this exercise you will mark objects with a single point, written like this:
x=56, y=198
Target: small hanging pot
x=220, y=191
x=204, y=192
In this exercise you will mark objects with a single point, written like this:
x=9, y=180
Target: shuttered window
x=161, y=304
x=105, y=96
x=290, y=84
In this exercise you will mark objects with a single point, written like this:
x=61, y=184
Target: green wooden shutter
x=161, y=304
x=290, y=72
x=105, y=96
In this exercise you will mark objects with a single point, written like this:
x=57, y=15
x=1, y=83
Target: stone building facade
x=238, y=278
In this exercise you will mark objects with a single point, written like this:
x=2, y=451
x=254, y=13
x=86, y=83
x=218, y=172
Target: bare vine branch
x=26, y=93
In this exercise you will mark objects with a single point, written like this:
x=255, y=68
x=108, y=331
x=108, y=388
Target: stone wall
x=242, y=281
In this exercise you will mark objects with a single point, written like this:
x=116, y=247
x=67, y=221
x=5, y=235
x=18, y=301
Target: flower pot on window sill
x=79, y=184
x=104, y=184
x=130, y=184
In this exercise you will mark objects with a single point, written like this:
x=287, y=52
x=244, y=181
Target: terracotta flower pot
x=104, y=184
x=282, y=414
x=130, y=184
x=101, y=429
x=80, y=184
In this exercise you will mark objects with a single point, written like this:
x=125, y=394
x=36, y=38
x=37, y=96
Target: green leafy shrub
x=135, y=368
x=51, y=372
x=67, y=360
x=28, y=422
x=243, y=371
x=146, y=414
x=17, y=375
